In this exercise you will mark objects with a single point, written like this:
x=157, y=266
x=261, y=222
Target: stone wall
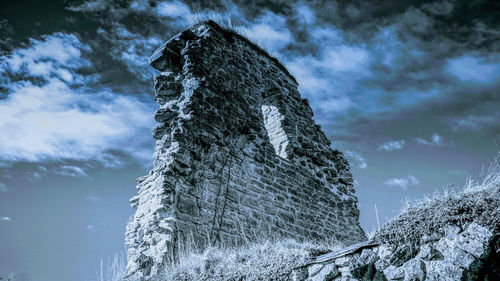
x=469, y=254
x=238, y=156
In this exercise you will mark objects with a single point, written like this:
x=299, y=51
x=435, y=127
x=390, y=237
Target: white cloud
x=330, y=77
x=133, y=49
x=356, y=159
x=333, y=73
x=404, y=183
x=434, y=140
x=309, y=83
x=55, y=57
x=269, y=31
x=316, y=74
x=40, y=173
x=3, y=187
x=439, y=8
x=93, y=199
x=71, y=171
x=46, y=122
x=5, y=219
x=37, y=175
x=173, y=9
x=335, y=104
x=305, y=14
x=475, y=122
x=416, y=21
x=60, y=118
x=139, y=5
x=345, y=59
x=91, y=6
x=392, y=145
x=95, y=227
x=473, y=69
x=327, y=35
x=461, y=173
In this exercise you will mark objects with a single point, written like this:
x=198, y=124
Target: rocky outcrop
x=237, y=156
x=469, y=254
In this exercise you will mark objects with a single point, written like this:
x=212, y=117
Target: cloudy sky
x=408, y=90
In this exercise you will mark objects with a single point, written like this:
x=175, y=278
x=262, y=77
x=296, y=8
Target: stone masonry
x=238, y=156
x=470, y=254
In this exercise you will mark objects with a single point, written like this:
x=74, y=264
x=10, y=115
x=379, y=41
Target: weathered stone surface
x=443, y=270
x=314, y=269
x=451, y=231
x=437, y=259
x=394, y=273
x=345, y=271
x=486, y=267
x=300, y=274
x=365, y=272
x=345, y=252
x=474, y=239
x=449, y=250
x=384, y=251
x=401, y=255
x=414, y=270
x=343, y=261
x=428, y=252
x=380, y=265
x=327, y=273
x=345, y=278
x=379, y=276
x=237, y=153
x=430, y=238
x=367, y=256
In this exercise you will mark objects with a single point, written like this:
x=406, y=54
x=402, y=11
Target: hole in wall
x=273, y=122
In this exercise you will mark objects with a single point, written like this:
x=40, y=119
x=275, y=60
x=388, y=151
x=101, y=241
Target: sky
x=408, y=90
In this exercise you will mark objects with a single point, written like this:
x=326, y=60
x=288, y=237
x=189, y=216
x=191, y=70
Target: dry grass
x=114, y=270
x=479, y=202
x=237, y=26
x=271, y=260
x=7, y=277
x=224, y=20
x=261, y=256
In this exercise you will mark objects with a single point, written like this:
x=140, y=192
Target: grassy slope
x=478, y=202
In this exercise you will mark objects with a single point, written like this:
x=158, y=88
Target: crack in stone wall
x=225, y=170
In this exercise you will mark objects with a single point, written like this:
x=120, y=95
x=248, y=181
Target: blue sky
x=408, y=91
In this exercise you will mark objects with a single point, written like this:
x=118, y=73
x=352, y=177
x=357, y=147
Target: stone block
x=474, y=239
x=443, y=270
x=394, y=273
x=380, y=265
x=299, y=274
x=367, y=257
x=327, y=273
x=402, y=254
x=414, y=270
x=343, y=261
x=450, y=251
x=384, y=251
x=314, y=269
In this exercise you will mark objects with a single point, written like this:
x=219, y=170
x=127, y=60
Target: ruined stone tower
x=238, y=155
